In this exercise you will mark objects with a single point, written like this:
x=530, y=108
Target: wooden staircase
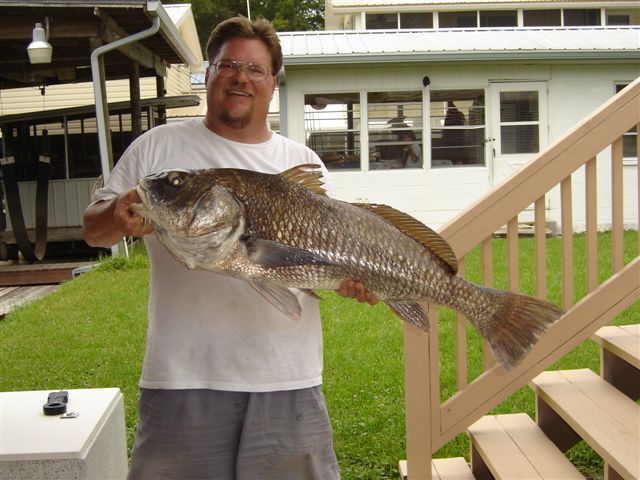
x=571, y=405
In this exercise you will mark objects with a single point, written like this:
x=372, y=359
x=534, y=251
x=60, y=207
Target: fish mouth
x=141, y=209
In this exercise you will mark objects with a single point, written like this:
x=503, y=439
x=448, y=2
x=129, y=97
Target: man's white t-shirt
x=207, y=330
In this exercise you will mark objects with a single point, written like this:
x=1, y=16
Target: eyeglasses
x=229, y=68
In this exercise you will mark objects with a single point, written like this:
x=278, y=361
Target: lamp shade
x=39, y=49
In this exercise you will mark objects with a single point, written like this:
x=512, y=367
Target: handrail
x=431, y=424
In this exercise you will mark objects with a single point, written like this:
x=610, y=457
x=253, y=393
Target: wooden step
x=444, y=469
x=620, y=357
x=623, y=341
x=513, y=447
x=578, y=404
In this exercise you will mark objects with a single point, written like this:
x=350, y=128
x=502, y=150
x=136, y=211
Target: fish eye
x=175, y=178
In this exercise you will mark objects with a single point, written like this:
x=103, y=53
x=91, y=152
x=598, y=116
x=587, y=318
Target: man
x=230, y=386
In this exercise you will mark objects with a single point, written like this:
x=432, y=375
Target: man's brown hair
x=242, y=27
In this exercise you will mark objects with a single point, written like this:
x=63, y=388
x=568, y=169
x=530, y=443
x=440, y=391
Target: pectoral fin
x=280, y=297
x=274, y=254
x=413, y=312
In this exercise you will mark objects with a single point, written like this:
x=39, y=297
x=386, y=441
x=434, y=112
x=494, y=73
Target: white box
x=36, y=446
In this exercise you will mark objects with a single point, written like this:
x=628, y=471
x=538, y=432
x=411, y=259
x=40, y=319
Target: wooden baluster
x=591, y=207
x=513, y=266
x=567, y=242
x=617, y=220
x=540, y=232
x=487, y=280
x=461, y=342
x=418, y=394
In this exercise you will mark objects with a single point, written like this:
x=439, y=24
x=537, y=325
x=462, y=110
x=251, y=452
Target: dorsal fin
x=308, y=175
x=416, y=230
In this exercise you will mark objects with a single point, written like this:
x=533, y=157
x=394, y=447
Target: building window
x=542, y=18
x=394, y=128
x=581, y=17
x=332, y=127
x=623, y=17
x=458, y=19
x=457, y=127
x=380, y=21
x=519, y=122
x=618, y=19
x=629, y=139
x=394, y=123
x=499, y=18
x=416, y=20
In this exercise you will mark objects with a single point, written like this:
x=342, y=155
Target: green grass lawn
x=91, y=334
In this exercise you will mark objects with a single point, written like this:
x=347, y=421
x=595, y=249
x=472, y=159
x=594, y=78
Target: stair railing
x=430, y=424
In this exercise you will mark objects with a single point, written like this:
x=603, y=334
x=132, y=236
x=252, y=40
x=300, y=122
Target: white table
x=35, y=446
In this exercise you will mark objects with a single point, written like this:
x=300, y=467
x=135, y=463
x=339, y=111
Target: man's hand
x=126, y=220
x=355, y=289
x=106, y=222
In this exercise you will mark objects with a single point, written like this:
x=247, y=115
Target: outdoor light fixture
x=40, y=49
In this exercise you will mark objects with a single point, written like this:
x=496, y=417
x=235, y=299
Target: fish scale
x=281, y=231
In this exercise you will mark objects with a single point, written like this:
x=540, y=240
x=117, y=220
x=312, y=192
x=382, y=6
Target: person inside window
x=411, y=152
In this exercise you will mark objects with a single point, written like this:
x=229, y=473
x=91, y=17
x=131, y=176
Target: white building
x=481, y=86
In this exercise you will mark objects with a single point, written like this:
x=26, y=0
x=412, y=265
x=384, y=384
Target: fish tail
x=511, y=322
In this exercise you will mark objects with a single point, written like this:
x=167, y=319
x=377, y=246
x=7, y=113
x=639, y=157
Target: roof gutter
x=169, y=30
x=562, y=55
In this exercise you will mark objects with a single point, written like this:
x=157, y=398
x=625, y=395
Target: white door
x=518, y=125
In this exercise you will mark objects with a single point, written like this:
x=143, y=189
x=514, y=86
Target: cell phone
x=56, y=403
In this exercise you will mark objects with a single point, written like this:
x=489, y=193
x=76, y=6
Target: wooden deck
x=39, y=273
x=13, y=297
x=23, y=283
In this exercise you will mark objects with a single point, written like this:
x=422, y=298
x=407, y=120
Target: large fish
x=282, y=231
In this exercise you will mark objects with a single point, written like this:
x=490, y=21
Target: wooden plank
x=417, y=344
x=39, y=273
x=24, y=295
x=617, y=217
x=512, y=446
x=513, y=255
x=632, y=329
x=500, y=454
x=598, y=413
x=567, y=242
x=451, y=469
x=5, y=291
x=607, y=398
x=461, y=342
x=541, y=248
x=444, y=469
x=622, y=341
x=591, y=206
x=487, y=281
x=544, y=456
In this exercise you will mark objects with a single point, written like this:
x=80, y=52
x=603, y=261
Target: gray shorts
x=185, y=434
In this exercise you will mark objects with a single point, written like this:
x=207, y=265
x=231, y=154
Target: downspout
x=97, y=89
